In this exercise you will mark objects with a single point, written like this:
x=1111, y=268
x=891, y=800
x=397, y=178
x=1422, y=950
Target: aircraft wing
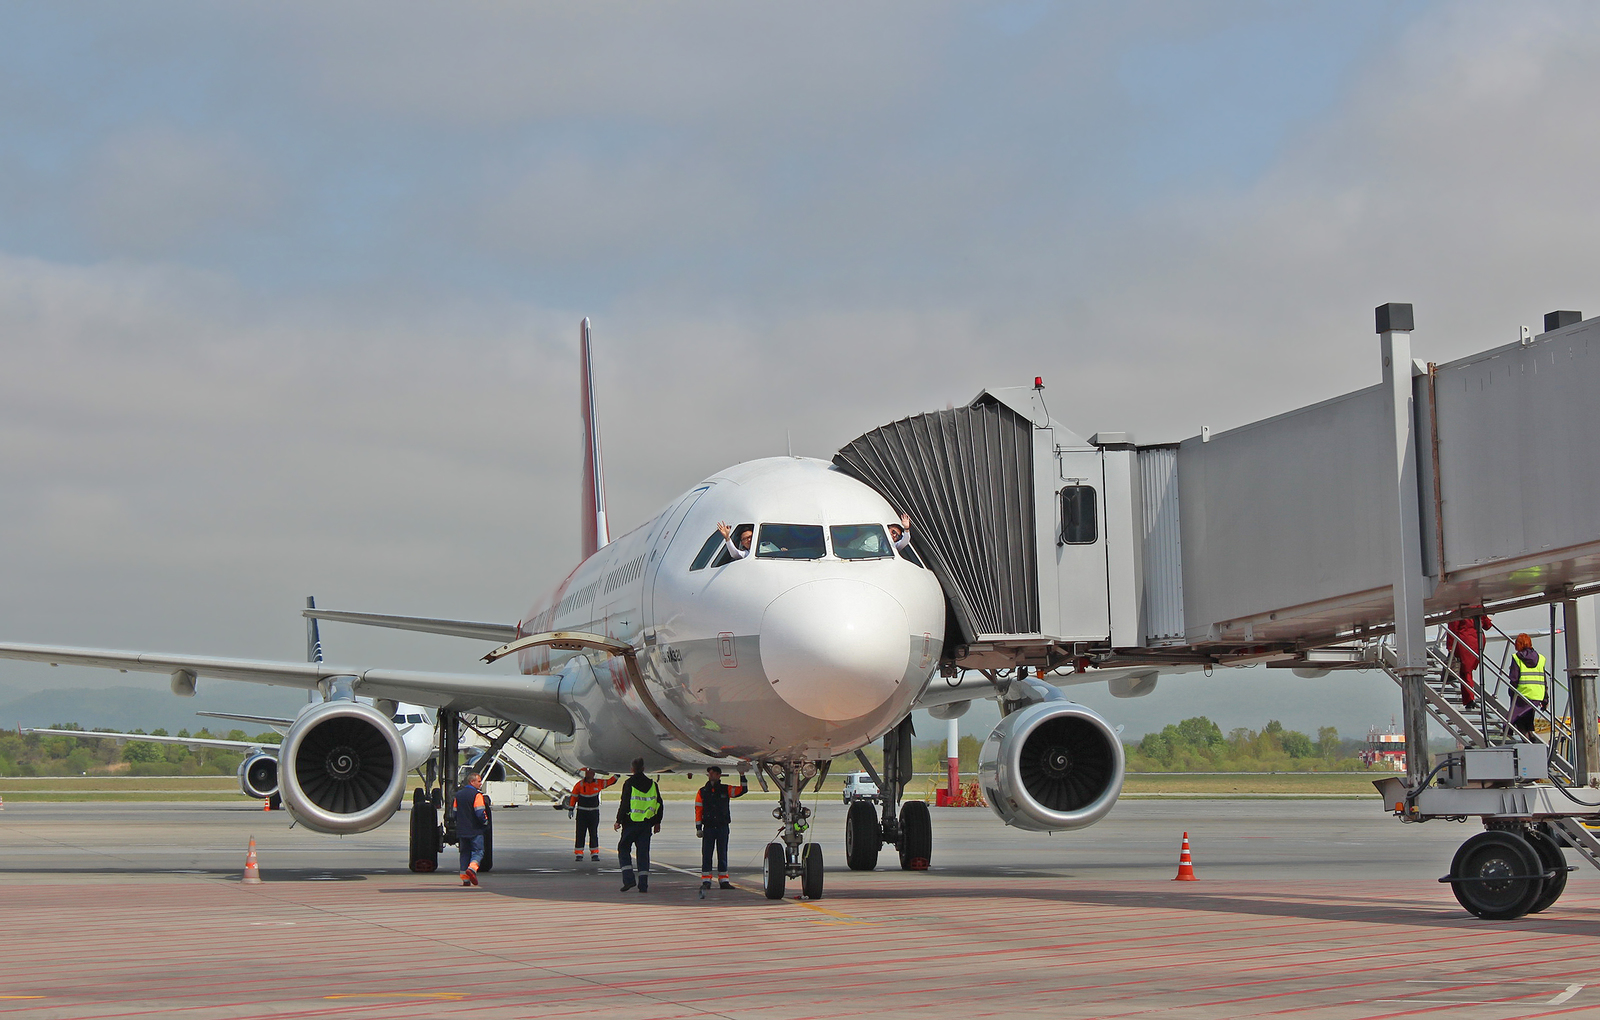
x=1121, y=681
x=275, y=722
x=420, y=624
x=234, y=745
x=532, y=699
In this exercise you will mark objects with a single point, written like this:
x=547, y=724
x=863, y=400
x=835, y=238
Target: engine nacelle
x=342, y=768
x=1052, y=765
x=258, y=776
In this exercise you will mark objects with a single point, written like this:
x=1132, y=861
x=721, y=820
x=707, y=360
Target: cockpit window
x=418, y=718
x=860, y=542
x=707, y=551
x=791, y=542
x=400, y=719
x=715, y=541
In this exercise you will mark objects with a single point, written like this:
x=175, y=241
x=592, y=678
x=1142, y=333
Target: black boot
x=627, y=879
x=644, y=882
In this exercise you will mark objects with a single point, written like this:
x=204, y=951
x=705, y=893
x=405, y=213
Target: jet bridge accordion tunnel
x=1263, y=542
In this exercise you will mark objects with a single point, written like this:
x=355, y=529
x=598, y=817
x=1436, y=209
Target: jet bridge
x=1264, y=542
x=1323, y=538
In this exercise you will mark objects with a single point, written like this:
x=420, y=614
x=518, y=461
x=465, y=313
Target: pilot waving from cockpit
x=737, y=547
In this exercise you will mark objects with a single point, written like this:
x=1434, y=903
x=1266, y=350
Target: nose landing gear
x=790, y=855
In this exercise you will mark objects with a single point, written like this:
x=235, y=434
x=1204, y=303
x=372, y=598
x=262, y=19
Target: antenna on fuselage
x=595, y=531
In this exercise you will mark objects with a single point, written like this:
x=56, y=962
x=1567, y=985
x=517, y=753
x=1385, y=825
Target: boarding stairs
x=1487, y=722
x=523, y=756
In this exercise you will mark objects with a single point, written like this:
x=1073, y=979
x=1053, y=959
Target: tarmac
x=1303, y=908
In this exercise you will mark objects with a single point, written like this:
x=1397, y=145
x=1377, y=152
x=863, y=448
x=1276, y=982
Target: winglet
x=595, y=531
x=313, y=636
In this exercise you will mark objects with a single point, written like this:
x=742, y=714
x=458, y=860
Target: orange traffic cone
x=1185, y=864
x=252, y=872
x=266, y=805
x=2, y=803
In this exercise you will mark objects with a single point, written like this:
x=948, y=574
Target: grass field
x=224, y=788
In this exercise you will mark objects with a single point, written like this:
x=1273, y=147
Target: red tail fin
x=595, y=531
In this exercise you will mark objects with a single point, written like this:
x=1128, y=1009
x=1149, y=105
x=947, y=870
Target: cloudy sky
x=289, y=293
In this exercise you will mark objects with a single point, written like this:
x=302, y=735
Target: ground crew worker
x=584, y=803
x=472, y=821
x=1530, y=675
x=1466, y=650
x=638, y=815
x=711, y=821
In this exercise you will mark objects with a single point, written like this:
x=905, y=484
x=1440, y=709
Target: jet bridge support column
x=1583, y=663
x=1403, y=516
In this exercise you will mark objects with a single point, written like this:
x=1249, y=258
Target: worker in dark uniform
x=1530, y=676
x=638, y=816
x=472, y=821
x=711, y=821
x=584, y=803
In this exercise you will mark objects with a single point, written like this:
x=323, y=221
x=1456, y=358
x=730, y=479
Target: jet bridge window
x=1079, y=523
x=791, y=542
x=860, y=542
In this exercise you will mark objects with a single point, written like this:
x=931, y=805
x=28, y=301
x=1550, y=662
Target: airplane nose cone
x=835, y=649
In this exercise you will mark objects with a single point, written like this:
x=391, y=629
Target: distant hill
x=146, y=708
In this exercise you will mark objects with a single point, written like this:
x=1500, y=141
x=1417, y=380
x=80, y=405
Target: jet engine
x=1052, y=765
x=258, y=776
x=342, y=768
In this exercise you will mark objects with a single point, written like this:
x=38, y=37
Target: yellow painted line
x=443, y=996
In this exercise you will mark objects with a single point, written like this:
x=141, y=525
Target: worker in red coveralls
x=1466, y=649
x=584, y=803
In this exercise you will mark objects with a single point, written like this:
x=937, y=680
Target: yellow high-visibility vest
x=1531, y=681
x=643, y=804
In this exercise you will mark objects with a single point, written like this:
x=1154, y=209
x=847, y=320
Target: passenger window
x=791, y=542
x=1079, y=523
x=860, y=542
x=707, y=551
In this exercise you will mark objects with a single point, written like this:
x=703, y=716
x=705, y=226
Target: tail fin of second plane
x=596, y=533
x=313, y=636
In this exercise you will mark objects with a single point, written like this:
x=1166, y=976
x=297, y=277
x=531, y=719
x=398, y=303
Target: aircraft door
x=665, y=541
x=1078, y=507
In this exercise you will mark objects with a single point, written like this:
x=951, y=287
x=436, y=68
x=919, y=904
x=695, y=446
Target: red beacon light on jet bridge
x=1038, y=382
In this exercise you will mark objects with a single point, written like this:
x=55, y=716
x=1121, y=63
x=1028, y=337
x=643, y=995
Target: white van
x=859, y=786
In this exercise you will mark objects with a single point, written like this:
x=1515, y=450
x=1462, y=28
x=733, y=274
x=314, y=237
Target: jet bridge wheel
x=1551, y=859
x=774, y=870
x=916, y=836
x=424, y=834
x=1496, y=875
x=811, y=871
x=863, y=836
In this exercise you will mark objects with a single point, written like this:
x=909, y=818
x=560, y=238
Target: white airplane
x=258, y=772
x=662, y=644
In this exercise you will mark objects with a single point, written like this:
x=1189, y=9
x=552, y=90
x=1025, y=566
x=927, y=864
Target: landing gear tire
x=1551, y=859
x=811, y=871
x=488, y=842
x=424, y=834
x=774, y=866
x=863, y=836
x=1495, y=875
x=916, y=836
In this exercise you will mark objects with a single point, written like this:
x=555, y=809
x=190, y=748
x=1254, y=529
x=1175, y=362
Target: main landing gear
x=790, y=855
x=909, y=831
x=1508, y=871
x=429, y=833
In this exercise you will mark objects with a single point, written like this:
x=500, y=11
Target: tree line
x=37, y=754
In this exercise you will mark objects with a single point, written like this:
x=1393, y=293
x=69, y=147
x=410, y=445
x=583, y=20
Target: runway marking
x=1561, y=997
x=441, y=996
x=21, y=996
